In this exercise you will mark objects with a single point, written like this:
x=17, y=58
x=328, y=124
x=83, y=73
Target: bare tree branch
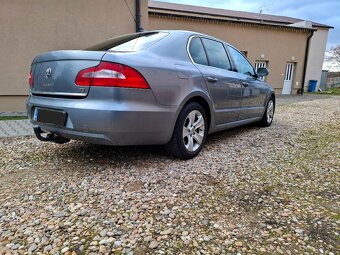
x=335, y=54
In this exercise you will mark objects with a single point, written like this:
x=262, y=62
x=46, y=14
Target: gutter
x=138, y=17
x=301, y=90
x=210, y=17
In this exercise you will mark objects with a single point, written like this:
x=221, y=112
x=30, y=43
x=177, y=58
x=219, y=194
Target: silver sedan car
x=156, y=87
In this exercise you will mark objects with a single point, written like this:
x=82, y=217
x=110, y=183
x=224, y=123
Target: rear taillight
x=108, y=74
x=30, y=79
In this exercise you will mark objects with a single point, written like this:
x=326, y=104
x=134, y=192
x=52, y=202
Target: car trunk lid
x=54, y=73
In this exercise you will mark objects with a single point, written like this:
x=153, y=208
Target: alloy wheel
x=270, y=111
x=193, y=130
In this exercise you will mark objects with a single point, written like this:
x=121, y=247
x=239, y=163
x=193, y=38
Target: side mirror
x=262, y=71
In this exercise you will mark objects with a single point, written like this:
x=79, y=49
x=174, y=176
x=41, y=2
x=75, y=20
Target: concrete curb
x=6, y=114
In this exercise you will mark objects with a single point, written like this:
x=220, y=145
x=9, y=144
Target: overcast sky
x=321, y=11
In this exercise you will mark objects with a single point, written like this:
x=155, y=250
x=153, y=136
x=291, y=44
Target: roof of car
x=186, y=32
x=230, y=14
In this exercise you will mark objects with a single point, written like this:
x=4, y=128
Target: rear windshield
x=130, y=43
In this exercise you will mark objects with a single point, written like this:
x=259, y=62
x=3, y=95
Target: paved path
x=12, y=128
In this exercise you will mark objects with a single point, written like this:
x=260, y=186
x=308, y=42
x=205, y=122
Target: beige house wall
x=276, y=45
x=28, y=28
x=12, y=103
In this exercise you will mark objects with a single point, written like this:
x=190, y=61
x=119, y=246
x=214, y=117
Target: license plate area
x=49, y=116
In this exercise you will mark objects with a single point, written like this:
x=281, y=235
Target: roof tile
x=238, y=15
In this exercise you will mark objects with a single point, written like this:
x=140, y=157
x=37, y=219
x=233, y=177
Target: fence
x=333, y=80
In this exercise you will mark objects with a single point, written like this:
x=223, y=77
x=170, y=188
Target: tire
x=190, y=132
x=268, y=115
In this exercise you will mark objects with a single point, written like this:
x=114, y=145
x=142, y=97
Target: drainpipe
x=138, y=17
x=305, y=64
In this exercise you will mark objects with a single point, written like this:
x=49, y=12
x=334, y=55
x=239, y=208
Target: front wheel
x=190, y=132
x=268, y=115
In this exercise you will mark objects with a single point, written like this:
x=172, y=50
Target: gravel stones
x=251, y=191
x=299, y=231
x=166, y=232
x=153, y=244
x=64, y=250
x=103, y=233
x=32, y=248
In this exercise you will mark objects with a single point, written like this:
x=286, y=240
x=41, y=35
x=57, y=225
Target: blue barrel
x=312, y=85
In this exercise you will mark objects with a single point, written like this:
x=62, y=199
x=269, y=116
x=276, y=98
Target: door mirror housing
x=262, y=71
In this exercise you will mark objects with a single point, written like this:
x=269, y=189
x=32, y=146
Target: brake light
x=108, y=74
x=30, y=79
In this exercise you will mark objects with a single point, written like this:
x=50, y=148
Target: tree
x=335, y=54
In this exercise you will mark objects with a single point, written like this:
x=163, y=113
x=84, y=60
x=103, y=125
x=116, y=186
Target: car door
x=253, y=89
x=211, y=59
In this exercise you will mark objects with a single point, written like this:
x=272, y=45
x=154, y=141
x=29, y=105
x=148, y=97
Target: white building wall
x=316, y=55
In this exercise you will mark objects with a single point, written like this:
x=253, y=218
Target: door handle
x=245, y=84
x=212, y=79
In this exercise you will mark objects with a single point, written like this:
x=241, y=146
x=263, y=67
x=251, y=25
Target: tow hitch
x=49, y=137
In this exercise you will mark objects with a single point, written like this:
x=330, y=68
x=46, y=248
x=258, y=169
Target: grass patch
x=329, y=92
x=13, y=117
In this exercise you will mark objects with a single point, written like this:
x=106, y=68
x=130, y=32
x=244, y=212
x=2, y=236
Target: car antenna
x=137, y=18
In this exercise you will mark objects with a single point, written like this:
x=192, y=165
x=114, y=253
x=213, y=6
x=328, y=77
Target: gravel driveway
x=251, y=191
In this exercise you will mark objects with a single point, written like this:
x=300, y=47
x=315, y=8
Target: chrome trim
x=190, y=38
x=59, y=94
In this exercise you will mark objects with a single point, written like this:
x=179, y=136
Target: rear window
x=197, y=51
x=130, y=43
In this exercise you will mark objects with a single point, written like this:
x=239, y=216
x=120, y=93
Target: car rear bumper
x=112, y=116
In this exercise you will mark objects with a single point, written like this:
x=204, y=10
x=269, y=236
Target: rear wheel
x=268, y=115
x=190, y=132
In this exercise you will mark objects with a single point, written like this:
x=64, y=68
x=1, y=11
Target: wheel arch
x=273, y=96
x=203, y=100
x=268, y=96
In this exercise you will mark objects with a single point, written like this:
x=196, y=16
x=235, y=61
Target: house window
x=259, y=64
x=245, y=53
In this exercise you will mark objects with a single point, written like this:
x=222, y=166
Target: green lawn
x=330, y=91
x=13, y=117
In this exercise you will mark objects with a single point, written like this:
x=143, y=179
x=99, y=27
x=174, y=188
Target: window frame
x=205, y=51
x=235, y=67
x=106, y=45
x=188, y=51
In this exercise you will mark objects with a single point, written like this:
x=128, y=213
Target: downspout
x=138, y=17
x=305, y=64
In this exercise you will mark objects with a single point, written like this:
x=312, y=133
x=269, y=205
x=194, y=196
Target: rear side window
x=216, y=53
x=197, y=52
x=130, y=43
